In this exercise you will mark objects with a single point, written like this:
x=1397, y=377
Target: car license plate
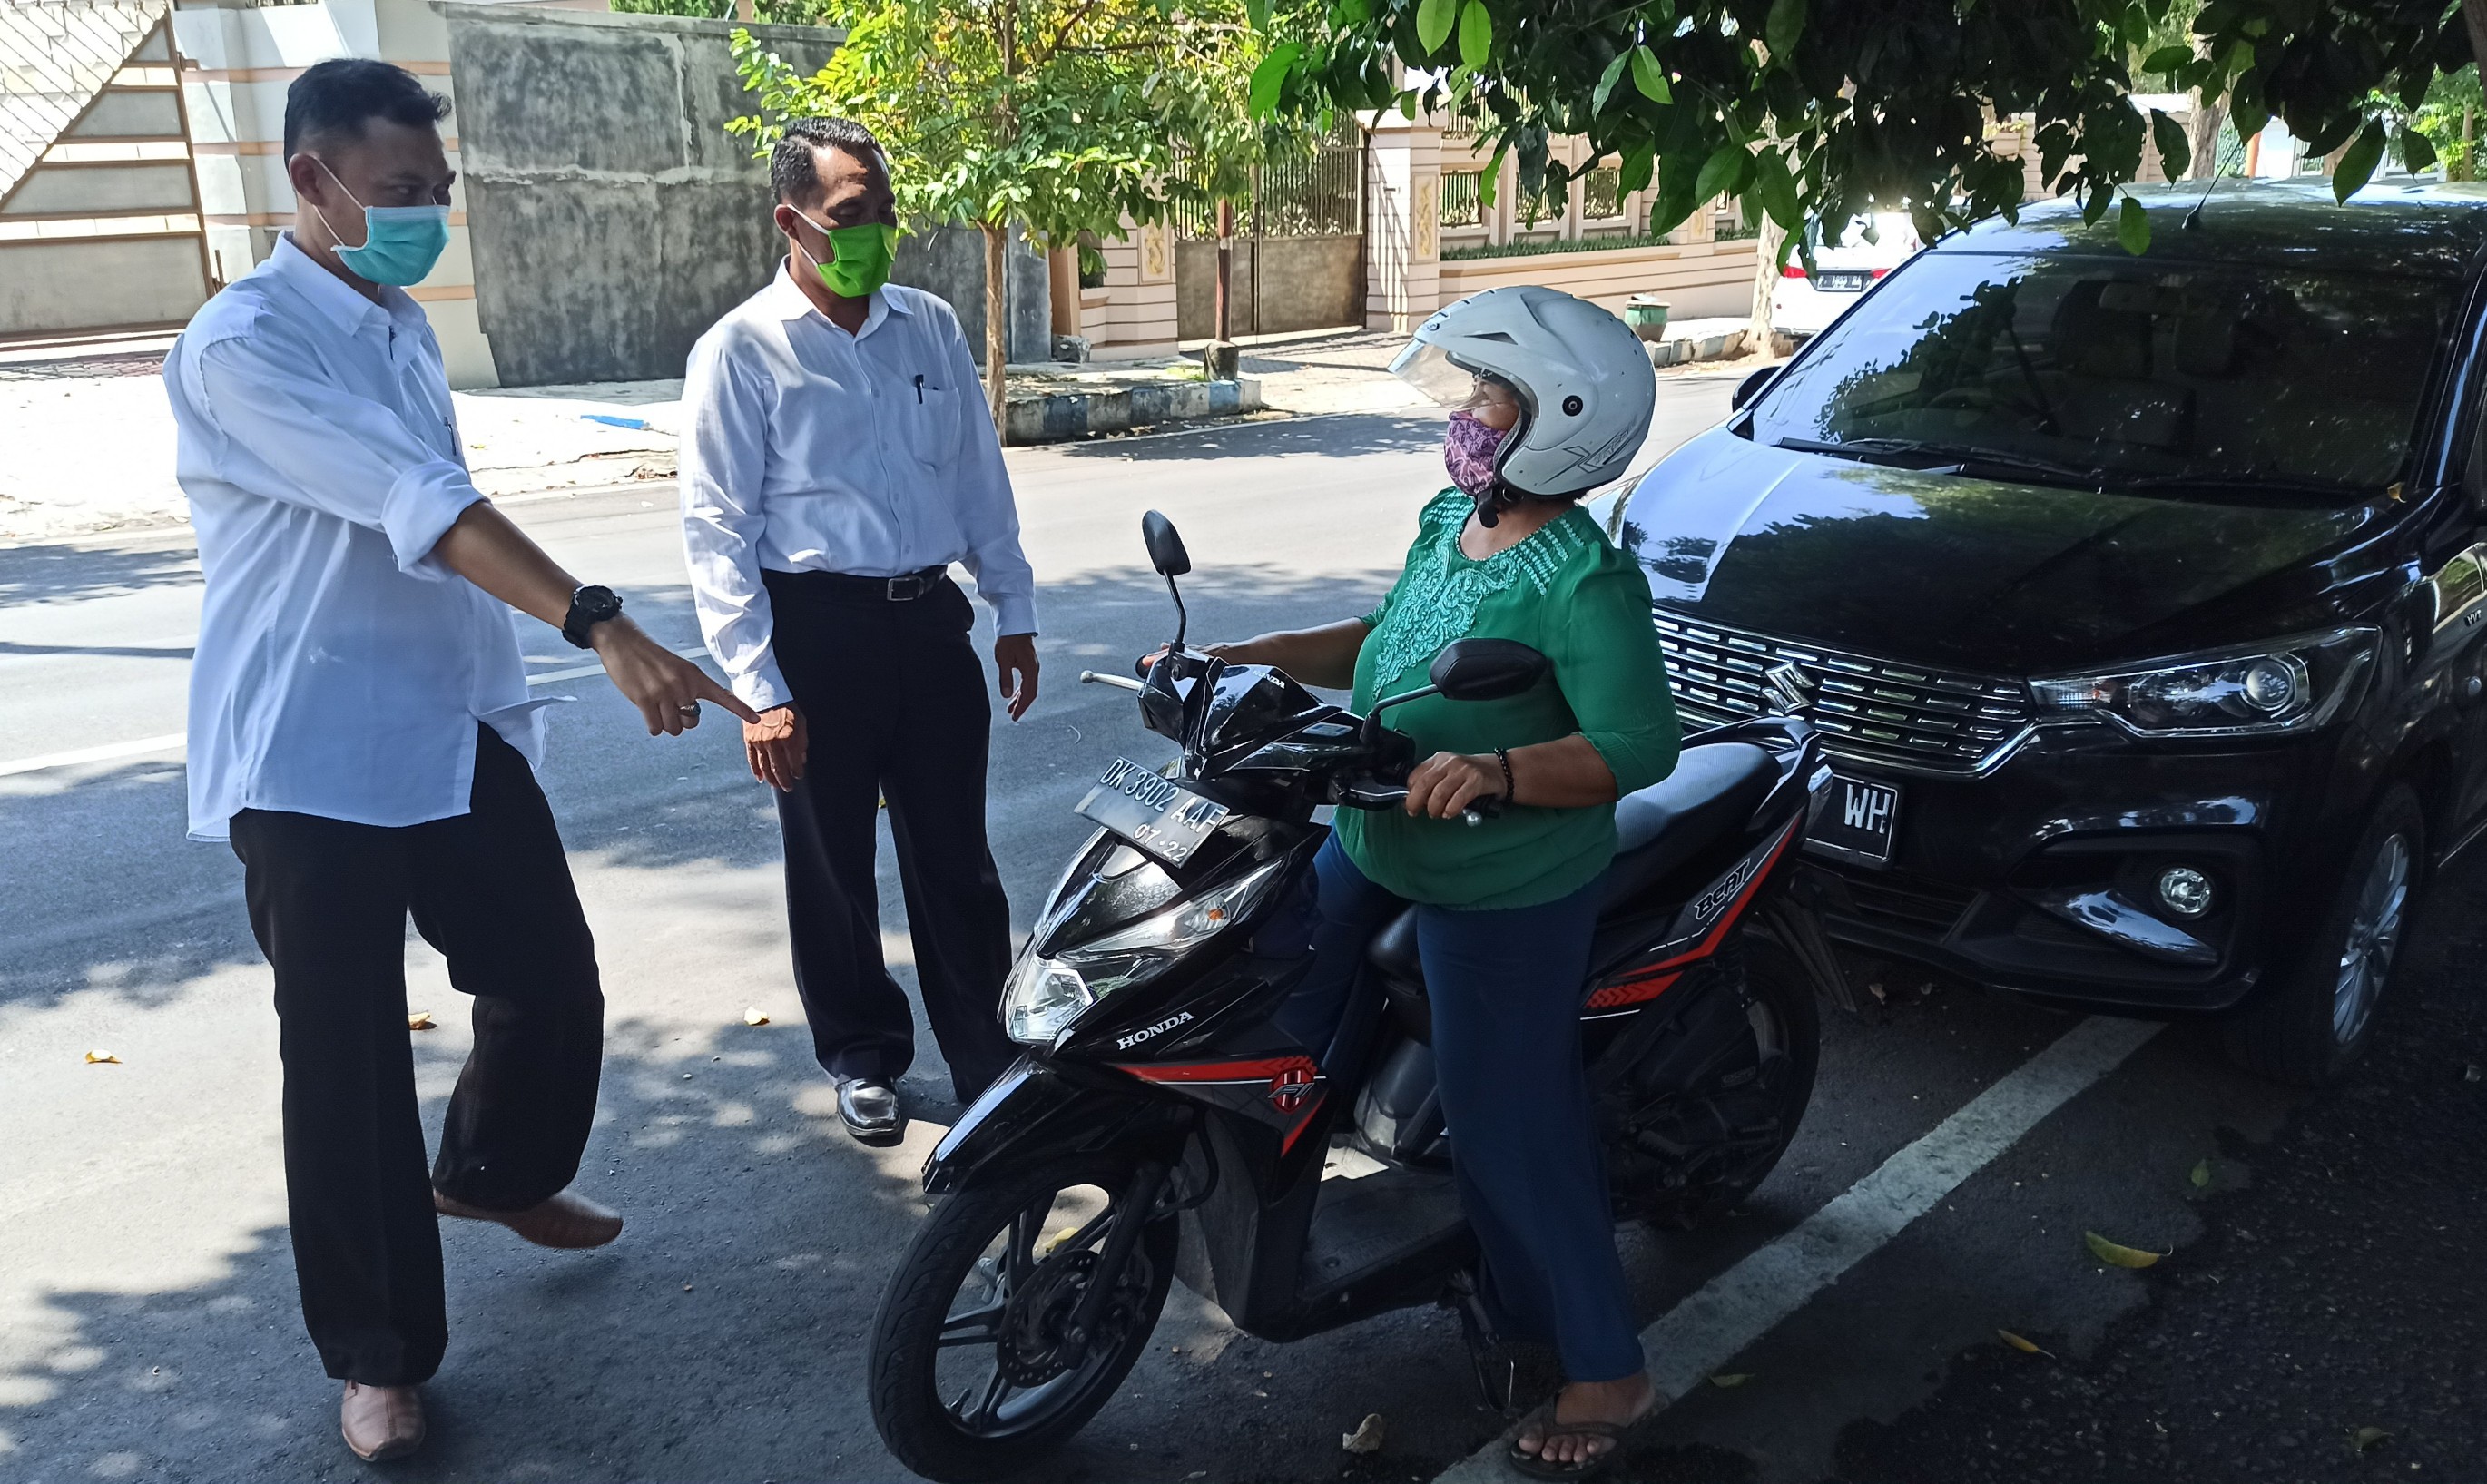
x=1151, y=811
x=1840, y=282
x=1858, y=822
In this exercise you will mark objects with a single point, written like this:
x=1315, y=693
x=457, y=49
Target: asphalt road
x=147, y=1327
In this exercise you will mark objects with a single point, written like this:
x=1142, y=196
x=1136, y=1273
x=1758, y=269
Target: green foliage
x=2452, y=105
x=1540, y=247
x=1063, y=116
x=1876, y=103
x=790, y=12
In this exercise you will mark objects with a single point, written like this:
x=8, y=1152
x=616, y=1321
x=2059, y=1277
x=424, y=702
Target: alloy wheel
x=2374, y=936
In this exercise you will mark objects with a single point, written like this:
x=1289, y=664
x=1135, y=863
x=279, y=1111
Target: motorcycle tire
x=1663, y=1172
x=953, y=1250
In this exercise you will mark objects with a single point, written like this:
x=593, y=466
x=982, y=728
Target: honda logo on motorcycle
x=1131, y=1039
x=1289, y=1088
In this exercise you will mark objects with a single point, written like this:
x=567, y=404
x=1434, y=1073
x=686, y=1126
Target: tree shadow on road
x=58, y=572
x=708, y=1343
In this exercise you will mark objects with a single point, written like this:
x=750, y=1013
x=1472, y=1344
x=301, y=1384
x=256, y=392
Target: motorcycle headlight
x=1045, y=995
x=2286, y=685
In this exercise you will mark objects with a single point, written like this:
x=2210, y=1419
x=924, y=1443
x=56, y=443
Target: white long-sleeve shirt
x=808, y=449
x=340, y=669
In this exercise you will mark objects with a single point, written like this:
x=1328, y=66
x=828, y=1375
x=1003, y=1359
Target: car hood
x=2000, y=578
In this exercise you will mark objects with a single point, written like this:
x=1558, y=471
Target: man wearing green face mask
x=836, y=461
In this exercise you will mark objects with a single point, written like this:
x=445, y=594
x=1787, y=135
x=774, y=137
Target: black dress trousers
x=329, y=903
x=893, y=696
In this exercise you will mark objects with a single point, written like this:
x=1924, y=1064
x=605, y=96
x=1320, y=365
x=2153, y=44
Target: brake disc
x=1029, y=1351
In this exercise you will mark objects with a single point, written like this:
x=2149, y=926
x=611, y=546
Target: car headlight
x=2286, y=685
x=1045, y=995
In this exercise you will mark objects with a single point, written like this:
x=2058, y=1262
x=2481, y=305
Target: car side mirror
x=1486, y=669
x=1165, y=547
x=1752, y=387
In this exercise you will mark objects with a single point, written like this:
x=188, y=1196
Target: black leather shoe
x=870, y=1110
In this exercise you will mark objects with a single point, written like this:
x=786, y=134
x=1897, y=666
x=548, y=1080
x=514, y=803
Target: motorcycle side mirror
x=1167, y=555
x=1486, y=669
x=1166, y=546
x=1752, y=387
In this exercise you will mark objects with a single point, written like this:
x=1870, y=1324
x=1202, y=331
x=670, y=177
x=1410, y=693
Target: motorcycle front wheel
x=971, y=1379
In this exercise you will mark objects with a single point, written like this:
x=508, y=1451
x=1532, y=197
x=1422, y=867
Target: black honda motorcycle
x=1162, y=1126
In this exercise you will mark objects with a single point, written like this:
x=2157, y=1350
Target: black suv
x=2139, y=599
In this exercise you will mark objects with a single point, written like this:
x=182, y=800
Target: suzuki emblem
x=1790, y=687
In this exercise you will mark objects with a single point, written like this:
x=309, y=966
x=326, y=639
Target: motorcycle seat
x=1714, y=788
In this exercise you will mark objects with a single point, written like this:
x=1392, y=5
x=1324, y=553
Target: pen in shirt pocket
x=920, y=391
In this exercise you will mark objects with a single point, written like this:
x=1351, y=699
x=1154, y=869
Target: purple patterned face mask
x=1468, y=446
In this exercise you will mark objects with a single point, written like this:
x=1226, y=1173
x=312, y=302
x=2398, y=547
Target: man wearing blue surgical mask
x=361, y=733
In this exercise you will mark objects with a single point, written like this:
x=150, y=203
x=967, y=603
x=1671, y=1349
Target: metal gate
x=1298, y=247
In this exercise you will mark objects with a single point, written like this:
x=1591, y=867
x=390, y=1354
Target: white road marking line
x=103, y=754
x=1700, y=1337
x=176, y=741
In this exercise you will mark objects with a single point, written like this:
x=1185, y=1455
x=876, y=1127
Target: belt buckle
x=906, y=589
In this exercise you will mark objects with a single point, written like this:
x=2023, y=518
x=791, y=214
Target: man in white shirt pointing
x=360, y=730
x=836, y=459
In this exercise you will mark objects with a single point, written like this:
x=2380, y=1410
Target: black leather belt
x=904, y=588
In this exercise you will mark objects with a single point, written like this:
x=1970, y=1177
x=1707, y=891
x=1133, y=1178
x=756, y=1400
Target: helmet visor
x=1430, y=368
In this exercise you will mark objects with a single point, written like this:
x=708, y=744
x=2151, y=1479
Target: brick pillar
x=1403, y=218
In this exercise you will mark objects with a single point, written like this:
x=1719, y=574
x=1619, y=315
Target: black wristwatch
x=588, y=607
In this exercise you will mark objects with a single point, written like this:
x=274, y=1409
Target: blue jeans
x=1505, y=987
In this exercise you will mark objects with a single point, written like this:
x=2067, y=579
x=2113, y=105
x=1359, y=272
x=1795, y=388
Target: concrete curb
x=1055, y=416
x=1678, y=350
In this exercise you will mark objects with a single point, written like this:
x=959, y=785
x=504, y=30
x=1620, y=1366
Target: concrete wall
x=1278, y=284
x=613, y=217
x=950, y=261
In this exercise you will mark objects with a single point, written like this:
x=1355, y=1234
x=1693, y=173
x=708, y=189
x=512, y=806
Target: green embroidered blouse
x=1567, y=592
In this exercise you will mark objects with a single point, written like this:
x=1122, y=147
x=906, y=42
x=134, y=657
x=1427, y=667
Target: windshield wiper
x=2326, y=492
x=1947, y=459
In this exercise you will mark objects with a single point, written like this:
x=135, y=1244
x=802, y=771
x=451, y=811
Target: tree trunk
x=1765, y=282
x=997, y=322
x=1222, y=326
x=2202, y=129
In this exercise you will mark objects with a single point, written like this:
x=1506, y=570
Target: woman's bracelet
x=1510, y=786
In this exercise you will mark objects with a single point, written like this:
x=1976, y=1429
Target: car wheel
x=2318, y=1018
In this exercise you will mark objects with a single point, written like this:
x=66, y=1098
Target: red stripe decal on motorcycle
x=1260, y=1071
x=1312, y=1106
x=1648, y=985
x=1735, y=909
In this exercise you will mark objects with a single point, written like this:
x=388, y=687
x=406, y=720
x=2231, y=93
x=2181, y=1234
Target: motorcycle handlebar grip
x=1092, y=678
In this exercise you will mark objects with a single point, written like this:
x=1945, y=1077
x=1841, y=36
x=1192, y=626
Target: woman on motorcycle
x=1551, y=396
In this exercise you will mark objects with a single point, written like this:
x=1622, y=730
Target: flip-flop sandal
x=1535, y=1465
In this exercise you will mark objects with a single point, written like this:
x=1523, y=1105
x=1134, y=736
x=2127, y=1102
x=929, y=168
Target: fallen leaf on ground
x=1730, y=1379
x=754, y=1017
x=2469, y=1074
x=2366, y=1438
x=2201, y=1176
x=2025, y=1347
x=1367, y=1436
x=96, y=1058
x=420, y=1019
x=2119, y=1254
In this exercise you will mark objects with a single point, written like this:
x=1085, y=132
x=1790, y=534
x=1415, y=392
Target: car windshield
x=2190, y=378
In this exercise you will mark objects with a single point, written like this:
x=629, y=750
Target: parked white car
x=1806, y=305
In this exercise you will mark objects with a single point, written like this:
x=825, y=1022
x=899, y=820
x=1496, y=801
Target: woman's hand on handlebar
x=1232, y=654
x=1446, y=784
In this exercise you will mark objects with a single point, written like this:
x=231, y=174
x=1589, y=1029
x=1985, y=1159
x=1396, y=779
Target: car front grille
x=1905, y=904
x=1869, y=710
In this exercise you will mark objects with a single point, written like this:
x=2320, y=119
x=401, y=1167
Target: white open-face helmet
x=1583, y=379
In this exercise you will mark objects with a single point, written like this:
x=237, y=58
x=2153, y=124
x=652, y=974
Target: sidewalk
x=89, y=440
